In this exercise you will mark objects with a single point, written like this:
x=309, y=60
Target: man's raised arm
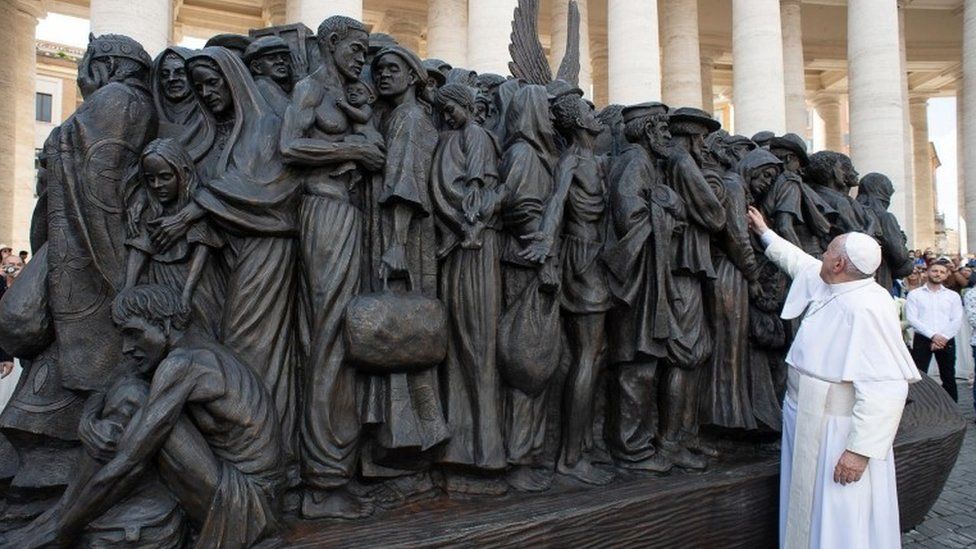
x=786, y=255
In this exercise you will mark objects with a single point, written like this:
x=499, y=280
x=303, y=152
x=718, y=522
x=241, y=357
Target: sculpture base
x=733, y=504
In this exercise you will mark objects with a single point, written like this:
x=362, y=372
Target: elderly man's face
x=832, y=263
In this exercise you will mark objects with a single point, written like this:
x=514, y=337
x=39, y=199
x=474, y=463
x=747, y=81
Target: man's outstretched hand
x=757, y=223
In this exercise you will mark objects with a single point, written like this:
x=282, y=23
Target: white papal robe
x=848, y=380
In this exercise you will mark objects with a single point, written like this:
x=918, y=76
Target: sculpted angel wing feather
x=569, y=67
x=528, y=58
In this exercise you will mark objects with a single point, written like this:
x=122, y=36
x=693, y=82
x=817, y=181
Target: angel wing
x=569, y=67
x=528, y=58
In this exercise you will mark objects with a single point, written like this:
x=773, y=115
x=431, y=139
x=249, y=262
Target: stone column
x=794, y=82
x=489, y=32
x=681, y=74
x=149, y=22
x=960, y=212
x=968, y=121
x=877, y=135
x=600, y=84
x=924, y=192
x=828, y=108
x=757, y=67
x=557, y=42
x=313, y=12
x=18, y=192
x=708, y=90
x=9, y=71
x=634, y=53
x=909, y=156
x=447, y=31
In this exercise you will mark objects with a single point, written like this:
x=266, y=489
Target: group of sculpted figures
x=206, y=221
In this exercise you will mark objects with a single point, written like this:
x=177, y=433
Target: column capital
x=823, y=97
x=918, y=98
x=34, y=8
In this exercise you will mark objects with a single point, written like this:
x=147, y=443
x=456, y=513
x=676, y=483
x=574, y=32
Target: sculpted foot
x=696, y=444
x=529, y=479
x=683, y=457
x=586, y=472
x=456, y=482
x=338, y=503
x=657, y=463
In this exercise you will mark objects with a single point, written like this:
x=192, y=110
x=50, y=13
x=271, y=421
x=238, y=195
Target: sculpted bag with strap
x=388, y=332
x=528, y=340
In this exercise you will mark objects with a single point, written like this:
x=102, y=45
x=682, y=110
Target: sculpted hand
x=394, y=260
x=6, y=368
x=757, y=223
x=99, y=438
x=372, y=158
x=539, y=247
x=850, y=467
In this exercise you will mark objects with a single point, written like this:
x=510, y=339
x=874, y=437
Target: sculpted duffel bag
x=390, y=332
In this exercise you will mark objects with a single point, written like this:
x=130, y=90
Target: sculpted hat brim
x=432, y=66
x=694, y=116
x=414, y=62
x=791, y=142
x=237, y=42
x=643, y=109
x=561, y=88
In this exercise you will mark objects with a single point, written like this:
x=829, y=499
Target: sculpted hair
x=634, y=129
x=566, y=110
x=339, y=24
x=158, y=304
x=459, y=93
x=821, y=167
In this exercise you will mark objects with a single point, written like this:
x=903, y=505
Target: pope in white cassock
x=849, y=372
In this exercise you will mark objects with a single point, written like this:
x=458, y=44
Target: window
x=42, y=107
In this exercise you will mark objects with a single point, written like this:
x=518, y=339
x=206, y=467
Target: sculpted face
x=144, y=343
x=791, y=162
x=174, y=79
x=162, y=180
x=393, y=77
x=276, y=65
x=349, y=53
x=455, y=115
x=212, y=88
x=588, y=120
x=358, y=94
x=846, y=174
x=762, y=180
x=659, y=136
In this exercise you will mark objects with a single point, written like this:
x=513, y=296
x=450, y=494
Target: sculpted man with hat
x=269, y=61
x=691, y=266
x=844, y=399
x=645, y=214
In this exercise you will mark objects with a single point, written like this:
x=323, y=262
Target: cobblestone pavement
x=952, y=521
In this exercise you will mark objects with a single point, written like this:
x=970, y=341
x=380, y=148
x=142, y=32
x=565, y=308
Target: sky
x=941, y=111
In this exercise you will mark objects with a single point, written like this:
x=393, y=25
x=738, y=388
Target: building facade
x=852, y=76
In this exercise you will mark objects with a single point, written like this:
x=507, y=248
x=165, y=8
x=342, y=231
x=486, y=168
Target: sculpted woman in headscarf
x=527, y=170
x=252, y=198
x=181, y=116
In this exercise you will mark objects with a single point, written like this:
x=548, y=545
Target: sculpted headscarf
x=184, y=120
x=753, y=160
x=251, y=190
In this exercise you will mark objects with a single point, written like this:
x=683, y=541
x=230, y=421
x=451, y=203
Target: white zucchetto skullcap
x=863, y=251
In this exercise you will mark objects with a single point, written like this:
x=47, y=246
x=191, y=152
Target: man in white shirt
x=935, y=312
x=849, y=372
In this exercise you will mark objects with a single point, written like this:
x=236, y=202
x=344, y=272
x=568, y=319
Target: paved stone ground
x=952, y=521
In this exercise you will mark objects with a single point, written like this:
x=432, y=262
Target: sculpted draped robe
x=849, y=375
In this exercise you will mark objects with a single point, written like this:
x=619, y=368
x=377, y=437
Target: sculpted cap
x=118, y=45
x=863, y=251
x=643, y=109
x=265, y=45
x=794, y=143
